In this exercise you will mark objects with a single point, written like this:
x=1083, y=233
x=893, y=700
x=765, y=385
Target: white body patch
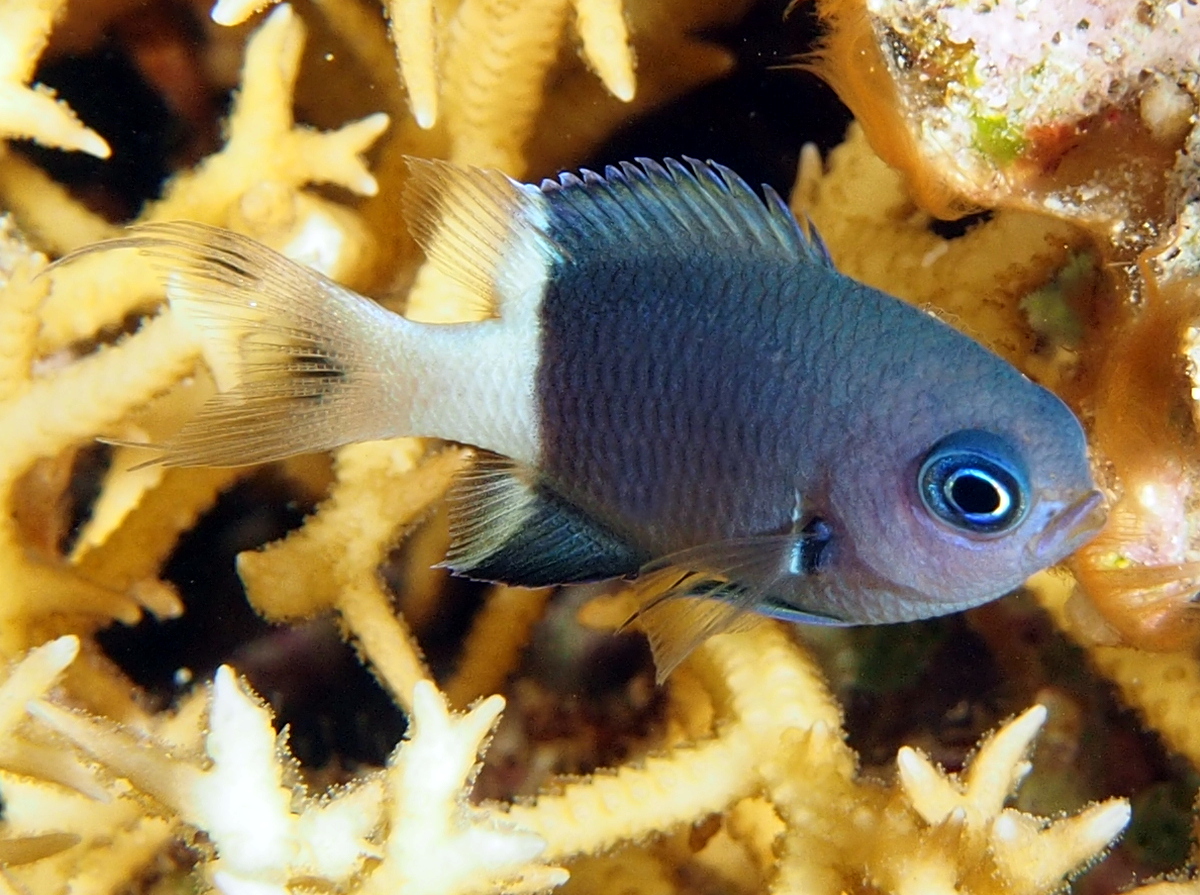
x=477, y=382
x=474, y=382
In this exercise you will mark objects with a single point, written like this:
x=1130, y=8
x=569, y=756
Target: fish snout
x=1069, y=529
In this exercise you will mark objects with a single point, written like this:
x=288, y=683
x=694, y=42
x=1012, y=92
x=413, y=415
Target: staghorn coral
x=223, y=772
x=743, y=779
x=32, y=111
x=422, y=31
x=405, y=828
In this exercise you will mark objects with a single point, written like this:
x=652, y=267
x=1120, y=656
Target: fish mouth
x=1070, y=529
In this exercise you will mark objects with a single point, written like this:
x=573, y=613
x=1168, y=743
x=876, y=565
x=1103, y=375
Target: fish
x=671, y=383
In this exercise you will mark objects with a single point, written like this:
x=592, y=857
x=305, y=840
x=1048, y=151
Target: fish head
x=984, y=483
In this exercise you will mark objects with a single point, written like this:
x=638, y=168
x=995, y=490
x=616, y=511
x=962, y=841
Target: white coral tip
x=34, y=675
x=87, y=140
x=234, y=12
x=1035, y=858
x=1001, y=764
x=1108, y=822
x=60, y=653
x=932, y=795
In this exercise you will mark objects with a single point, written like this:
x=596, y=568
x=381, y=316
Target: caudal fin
x=296, y=357
x=303, y=364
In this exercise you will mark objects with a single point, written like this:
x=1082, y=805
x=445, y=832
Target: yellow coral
x=403, y=829
x=407, y=828
x=253, y=179
x=57, y=820
x=108, y=384
x=32, y=111
x=283, y=582
x=262, y=839
x=422, y=31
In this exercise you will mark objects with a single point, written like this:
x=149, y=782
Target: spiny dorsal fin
x=672, y=208
x=507, y=525
x=295, y=356
x=481, y=228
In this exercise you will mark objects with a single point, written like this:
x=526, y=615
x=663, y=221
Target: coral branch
x=606, y=45
x=237, y=793
x=501, y=629
x=267, y=159
x=994, y=774
x=1035, y=856
x=300, y=575
x=264, y=142
x=32, y=678
x=412, y=26
x=594, y=815
x=23, y=293
x=497, y=60
x=382, y=637
x=234, y=12
x=32, y=111
x=103, y=388
x=435, y=844
x=45, y=209
x=331, y=562
x=130, y=547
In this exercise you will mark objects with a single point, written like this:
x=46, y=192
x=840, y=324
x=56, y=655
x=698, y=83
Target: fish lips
x=1069, y=529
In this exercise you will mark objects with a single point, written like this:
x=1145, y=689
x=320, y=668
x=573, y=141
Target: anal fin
x=507, y=525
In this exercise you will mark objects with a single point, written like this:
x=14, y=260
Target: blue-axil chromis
x=674, y=382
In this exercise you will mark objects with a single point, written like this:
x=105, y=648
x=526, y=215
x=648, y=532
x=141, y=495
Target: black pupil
x=975, y=495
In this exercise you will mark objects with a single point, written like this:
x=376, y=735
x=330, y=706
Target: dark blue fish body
x=681, y=385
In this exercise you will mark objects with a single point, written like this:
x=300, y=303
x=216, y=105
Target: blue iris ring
x=976, y=482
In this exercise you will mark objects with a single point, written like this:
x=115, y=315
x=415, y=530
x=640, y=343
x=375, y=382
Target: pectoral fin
x=691, y=595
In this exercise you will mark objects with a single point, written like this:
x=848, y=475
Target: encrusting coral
x=745, y=782
x=1023, y=105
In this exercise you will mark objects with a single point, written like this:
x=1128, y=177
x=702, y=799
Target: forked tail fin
x=299, y=361
x=303, y=364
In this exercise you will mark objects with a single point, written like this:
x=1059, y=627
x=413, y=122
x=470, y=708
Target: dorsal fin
x=676, y=209
x=481, y=228
x=508, y=525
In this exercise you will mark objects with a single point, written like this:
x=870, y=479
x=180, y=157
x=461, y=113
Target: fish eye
x=975, y=481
